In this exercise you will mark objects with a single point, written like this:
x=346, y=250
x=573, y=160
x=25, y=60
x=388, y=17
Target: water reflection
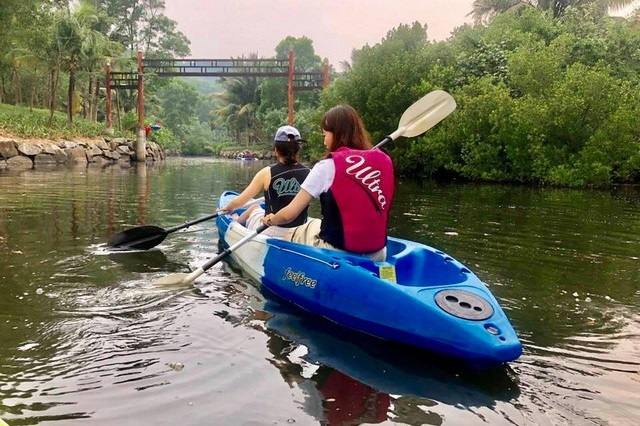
x=143, y=188
x=354, y=371
x=349, y=378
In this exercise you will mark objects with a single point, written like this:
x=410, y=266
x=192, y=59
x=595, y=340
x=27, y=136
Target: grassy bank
x=33, y=123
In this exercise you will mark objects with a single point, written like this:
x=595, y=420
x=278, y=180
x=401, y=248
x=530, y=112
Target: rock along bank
x=21, y=154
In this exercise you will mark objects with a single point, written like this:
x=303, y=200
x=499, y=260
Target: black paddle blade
x=139, y=238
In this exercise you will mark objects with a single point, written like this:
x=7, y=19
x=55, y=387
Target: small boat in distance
x=246, y=156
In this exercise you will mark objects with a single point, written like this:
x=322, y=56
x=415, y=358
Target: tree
x=483, y=9
x=274, y=91
x=142, y=25
x=240, y=104
x=77, y=41
x=178, y=102
x=385, y=78
x=24, y=29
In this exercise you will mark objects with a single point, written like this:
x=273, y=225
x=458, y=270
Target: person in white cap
x=280, y=183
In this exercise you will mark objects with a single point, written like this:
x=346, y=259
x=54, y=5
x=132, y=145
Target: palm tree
x=483, y=9
x=635, y=16
x=78, y=42
x=241, y=100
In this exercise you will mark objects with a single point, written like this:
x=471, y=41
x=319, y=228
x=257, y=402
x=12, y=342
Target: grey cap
x=282, y=134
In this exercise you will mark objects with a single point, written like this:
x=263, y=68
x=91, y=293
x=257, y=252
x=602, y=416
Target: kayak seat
x=422, y=266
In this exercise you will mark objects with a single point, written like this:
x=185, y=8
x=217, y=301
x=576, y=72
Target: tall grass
x=34, y=123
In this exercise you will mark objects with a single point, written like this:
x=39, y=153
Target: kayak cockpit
x=410, y=264
x=419, y=265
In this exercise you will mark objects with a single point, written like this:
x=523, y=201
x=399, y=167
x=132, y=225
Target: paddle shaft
x=211, y=216
x=148, y=236
x=383, y=142
x=193, y=222
x=202, y=269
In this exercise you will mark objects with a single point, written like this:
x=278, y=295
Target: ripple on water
x=590, y=374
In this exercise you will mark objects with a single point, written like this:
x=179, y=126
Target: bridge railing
x=218, y=67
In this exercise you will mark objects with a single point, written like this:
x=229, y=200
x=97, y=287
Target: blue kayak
x=419, y=296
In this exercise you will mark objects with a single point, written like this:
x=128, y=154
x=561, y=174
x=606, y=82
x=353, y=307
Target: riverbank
x=19, y=154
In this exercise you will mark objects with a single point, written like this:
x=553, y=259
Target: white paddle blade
x=172, y=280
x=425, y=113
x=181, y=279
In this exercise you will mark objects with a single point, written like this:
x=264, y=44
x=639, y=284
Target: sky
x=220, y=29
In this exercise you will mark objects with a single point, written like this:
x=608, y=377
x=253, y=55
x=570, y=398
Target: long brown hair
x=347, y=128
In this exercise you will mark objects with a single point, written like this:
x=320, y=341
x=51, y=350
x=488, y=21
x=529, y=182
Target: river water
x=88, y=339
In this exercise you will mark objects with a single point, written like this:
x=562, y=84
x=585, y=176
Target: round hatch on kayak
x=464, y=304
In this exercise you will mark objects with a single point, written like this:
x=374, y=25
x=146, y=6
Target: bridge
x=220, y=68
x=297, y=80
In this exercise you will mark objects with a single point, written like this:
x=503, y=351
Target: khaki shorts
x=255, y=220
x=309, y=234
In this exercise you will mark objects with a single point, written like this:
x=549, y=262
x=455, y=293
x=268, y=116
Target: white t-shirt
x=320, y=178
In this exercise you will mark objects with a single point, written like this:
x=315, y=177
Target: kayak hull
x=419, y=296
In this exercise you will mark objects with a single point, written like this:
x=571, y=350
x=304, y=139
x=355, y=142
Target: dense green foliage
x=53, y=53
x=540, y=99
x=547, y=92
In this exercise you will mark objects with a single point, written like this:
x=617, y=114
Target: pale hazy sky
x=221, y=29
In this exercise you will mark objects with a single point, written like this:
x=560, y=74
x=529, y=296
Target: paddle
x=183, y=278
x=417, y=119
x=425, y=113
x=148, y=236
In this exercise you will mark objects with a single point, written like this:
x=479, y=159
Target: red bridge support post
x=141, y=140
x=108, y=113
x=290, y=89
x=325, y=73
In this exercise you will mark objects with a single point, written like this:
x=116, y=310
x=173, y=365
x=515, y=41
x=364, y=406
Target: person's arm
x=254, y=188
x=318, y=181
x=290, y=212
x=242, y=219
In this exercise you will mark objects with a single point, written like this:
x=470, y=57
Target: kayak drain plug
x=464, y=304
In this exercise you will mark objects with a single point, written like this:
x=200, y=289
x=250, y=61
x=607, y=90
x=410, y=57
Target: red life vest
x=356, y=207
